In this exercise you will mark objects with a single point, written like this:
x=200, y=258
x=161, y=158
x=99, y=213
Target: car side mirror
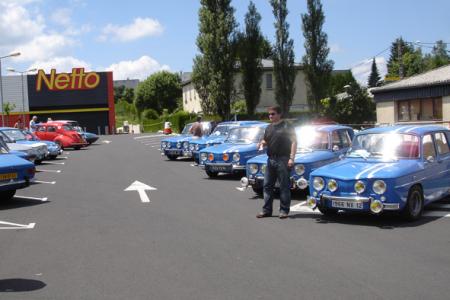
x=341, y=157
x=430, y=159
x=335, y=148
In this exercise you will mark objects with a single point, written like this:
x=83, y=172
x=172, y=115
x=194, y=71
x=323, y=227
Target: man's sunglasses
x=272, y=114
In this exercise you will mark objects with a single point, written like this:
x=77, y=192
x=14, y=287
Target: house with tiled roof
x=423, y=98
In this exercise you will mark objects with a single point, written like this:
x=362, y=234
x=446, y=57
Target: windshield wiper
x=359, y=154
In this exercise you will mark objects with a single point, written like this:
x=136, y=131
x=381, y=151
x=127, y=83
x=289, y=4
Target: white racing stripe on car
x=358, y=176
x=372, y=174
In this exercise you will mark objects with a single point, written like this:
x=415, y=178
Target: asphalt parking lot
x=88, y=230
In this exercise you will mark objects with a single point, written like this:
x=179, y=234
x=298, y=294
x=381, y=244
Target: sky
x=136, y=38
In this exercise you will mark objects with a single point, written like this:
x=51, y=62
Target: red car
x=60, y=133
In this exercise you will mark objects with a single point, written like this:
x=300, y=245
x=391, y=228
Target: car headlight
x=332, y=185
x=211, y=157
x=236, y=157
x=185, y=145
x=360, y=187
x=318, y=183
x=379, y=187
x=263, y=168
x=253, y=168
x=178, y=145
x=225, y=157
x=163, y=145
x=197, y=147
x=299, y=169
x=203, y=156
x=191, y=147
x=207, y=145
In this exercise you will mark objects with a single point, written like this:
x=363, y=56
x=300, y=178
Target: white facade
x=12, y=93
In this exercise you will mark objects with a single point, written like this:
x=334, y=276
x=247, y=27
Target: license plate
x=219, y=168
x=347, y=204
x=8, y=176
x=174, y=152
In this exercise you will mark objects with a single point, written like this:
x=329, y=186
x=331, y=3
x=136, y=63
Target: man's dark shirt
x=279, y=139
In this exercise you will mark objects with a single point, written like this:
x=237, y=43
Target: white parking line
x=62, y=157
x=436, y=213
x=54, y=163
x=150, y=136
x=17, y=226
x=302, y=208
x=31, y=198
x=49, y=171
x=44, y=182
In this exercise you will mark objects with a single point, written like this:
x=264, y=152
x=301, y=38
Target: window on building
x=420, y=110
x=269, y=81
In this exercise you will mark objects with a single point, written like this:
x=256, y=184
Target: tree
x=399, y=46
x=128, y=95
x=317, y=67
x=339, y=80
x=283, y=58
x=439, y=55
x=200, y=79
x=251, y=43
x=356, y=106
x=7, y=108
x=217, y=44
x=267, y=49
x=118, y=93
x=159, y=91
x=374, y=77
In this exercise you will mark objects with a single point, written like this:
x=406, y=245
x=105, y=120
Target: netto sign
x=77, y=80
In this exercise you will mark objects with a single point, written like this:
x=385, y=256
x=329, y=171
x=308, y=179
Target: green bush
x=150, y=114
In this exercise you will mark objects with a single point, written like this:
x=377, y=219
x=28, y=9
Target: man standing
x=197, y=129
x=19, y=124
x=281, y=143
x=33, y=124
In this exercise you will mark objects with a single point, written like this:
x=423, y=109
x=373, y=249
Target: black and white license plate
x=347, y=204
x=214, y=168
x=174, y=152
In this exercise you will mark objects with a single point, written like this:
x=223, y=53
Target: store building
x=86, y=97
x=424, y=98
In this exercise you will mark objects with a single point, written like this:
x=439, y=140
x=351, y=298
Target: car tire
x=327, y=211
x=53, y=157
x=77, y=147
x=172, y=157
x=59, y=144
x=7, y=195
x=212, y=174
x=414, y=204
x=38, y=161
x=259, y=191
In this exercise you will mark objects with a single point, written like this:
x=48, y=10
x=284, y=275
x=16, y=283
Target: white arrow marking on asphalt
x=17, y=226
x=31, y=198
x=141, y=188
x=44, y=182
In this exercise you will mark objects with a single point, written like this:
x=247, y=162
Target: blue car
x=232, y=156
x=178, y=146
x=317, y=145
x=53, y=148
x=14, y=135
x=15, y=173
x=397, y=168
x=217, y=137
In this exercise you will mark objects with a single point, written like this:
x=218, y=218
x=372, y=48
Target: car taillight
x=31, y=171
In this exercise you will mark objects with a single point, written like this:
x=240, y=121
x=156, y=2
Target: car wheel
x=212, y=174
x=414, y=204
x=172, y=157
x=53, y=156
x=259, y=191
x=327, y=211
x=7, y=195
x=77, y=147
x=38, y=161
x=59, y=144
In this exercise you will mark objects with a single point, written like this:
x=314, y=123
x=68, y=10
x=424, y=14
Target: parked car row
x=20, y=150
x=399, y=168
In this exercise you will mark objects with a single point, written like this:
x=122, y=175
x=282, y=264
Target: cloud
x=62, y=16
x=61, y=64
x=44, y=47
x=140, y=28
x=361, y=70
x=335, y=48
x=136, y=69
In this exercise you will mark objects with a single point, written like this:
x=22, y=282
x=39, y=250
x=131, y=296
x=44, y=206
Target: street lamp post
x=1, y=83
x=23, y=88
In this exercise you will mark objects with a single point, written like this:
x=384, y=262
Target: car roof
x=4, y=128
x=411, y=129
x=240, y=123
x=326, y=128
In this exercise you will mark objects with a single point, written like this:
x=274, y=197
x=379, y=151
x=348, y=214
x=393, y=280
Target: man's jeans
x=277, y=168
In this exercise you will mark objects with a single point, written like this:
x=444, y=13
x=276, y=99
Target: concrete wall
x=386, y=112
x=12, y=92
x=191, y=100
x=446, y=109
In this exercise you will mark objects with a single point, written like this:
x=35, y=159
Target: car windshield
x=68, y=128
x=308, y=139
x=221, y=130
x=385, y=145
x=3, y=147
x=29, y=136
x=78, y=129
x=186, y=128
x=245, y=135
x=15, y=134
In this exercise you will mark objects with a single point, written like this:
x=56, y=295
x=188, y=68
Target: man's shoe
x=283, y=215
x=263, y=215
